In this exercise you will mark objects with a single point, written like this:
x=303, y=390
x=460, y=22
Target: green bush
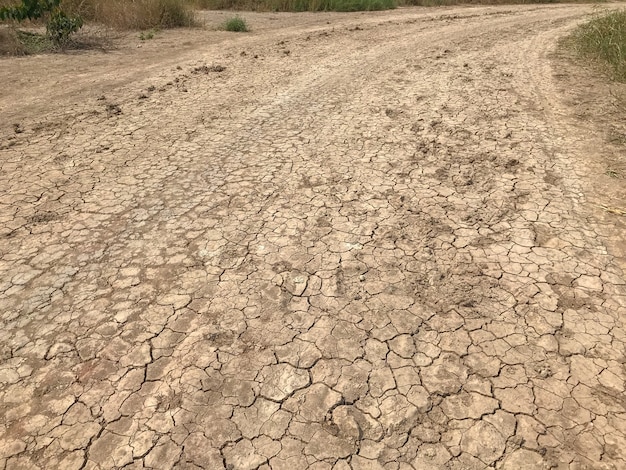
x=60, y=27
x=28, y=10
x=236, y=24
x=603, y=40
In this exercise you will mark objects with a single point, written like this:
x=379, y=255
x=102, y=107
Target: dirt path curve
x=362, y=245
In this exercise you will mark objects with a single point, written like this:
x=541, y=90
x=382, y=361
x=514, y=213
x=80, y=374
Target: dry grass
x=133, y=14
x=129, y=14
x=350, y=5
x=297, y=5
x=603, y=41
x=10, y=43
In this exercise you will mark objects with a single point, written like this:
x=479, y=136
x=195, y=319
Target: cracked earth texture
x=360, y=245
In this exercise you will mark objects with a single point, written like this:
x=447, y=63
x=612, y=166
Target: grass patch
x=603, y=41
x=14, y=42
x=34, y=43
x=236, y=24
x=133, y=14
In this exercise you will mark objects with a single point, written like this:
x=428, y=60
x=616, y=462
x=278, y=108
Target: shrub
x=236, y=24
x=60, y=27
x=603, y=40
x=28, y=10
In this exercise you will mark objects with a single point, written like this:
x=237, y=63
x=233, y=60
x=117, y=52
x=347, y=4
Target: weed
x=236, y=24
x=603, y=41
x=146, y=35
x=61, y=26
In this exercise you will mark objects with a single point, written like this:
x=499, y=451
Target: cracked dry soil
x=379, y=250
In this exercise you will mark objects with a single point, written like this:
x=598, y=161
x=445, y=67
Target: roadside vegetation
x=22, y=22
x=59, y=25
x=351, y=5
x=120, y=14
x=603, y=42
x=298, y=5
x=236, y=25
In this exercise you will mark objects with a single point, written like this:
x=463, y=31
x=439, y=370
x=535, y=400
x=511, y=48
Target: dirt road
x=370, y=241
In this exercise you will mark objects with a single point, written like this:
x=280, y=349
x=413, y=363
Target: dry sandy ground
x=372, y=241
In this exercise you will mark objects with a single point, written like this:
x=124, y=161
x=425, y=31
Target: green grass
x=236, y=24
x=603, y=41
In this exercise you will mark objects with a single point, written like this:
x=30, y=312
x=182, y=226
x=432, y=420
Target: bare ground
x=386, y=240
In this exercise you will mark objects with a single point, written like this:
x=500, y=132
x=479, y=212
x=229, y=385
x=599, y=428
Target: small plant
x=146, y=35
x=60, y=27
x=236, y=24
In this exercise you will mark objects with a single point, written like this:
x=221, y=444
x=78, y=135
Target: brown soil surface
x=385, y=240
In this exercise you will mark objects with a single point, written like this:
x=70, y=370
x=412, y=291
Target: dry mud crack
x=359, y=245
